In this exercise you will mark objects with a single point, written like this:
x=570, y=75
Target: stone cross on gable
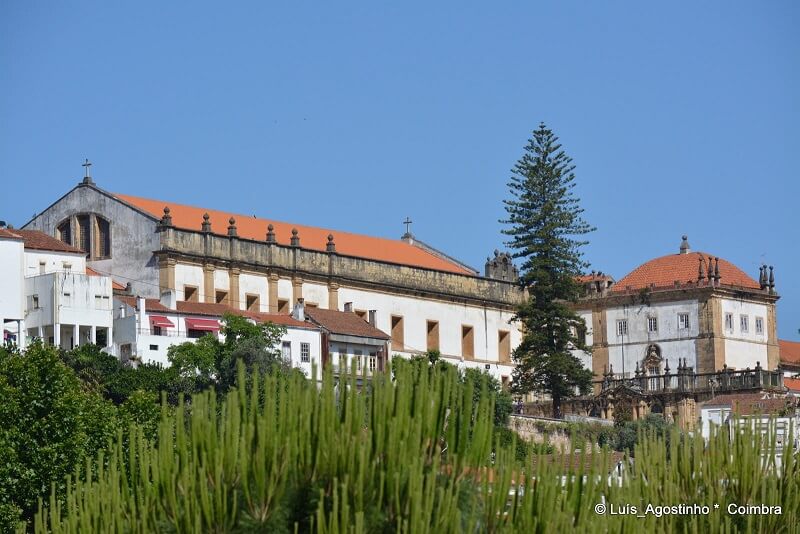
x=408, y=222
x=86, y=164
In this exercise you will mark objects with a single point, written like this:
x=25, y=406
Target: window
x=63, y=232
x=42, y=267
x=252, y=302
x=283, y=306
x=467, y=342
x=190, y=294
x=652, y=324
x=373, y=362
x=759, y=325
x=362, y=314
x=102, y=238
x=683, y=321
x=305, y=353
x=622, y=327
x=397, y=332
x=222, y=297
x=33, y=302
x=432, y=342
x=286, y=350
x=504, y=346
x=359, y=356
x=744, y=323
x=156, y=331
x=580, y=334
x=66, y=299
x=311, y=305
x=153, y=347
x=66, y=267
x=102, y=302
x=196, y=334
x=84, y=233
x=729, y=322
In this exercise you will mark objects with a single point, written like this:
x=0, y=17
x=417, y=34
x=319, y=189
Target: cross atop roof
x=408, y=222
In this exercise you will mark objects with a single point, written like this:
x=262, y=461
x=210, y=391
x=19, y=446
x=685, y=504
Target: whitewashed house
x=63, y=303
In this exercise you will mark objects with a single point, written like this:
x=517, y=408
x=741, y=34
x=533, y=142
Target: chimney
x=299, y=311
x=373, y=320
x=142, y=313
x=348, y=306
x=121, y=311
x=169, y=299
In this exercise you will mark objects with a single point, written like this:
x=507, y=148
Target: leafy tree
x=545, y=224
x=49, y=424
x=503, y=405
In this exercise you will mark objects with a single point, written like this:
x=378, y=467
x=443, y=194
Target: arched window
x=64, y=233
x=89, y=232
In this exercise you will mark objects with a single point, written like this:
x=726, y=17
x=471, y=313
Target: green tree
x=256, y=345
x=545, y=224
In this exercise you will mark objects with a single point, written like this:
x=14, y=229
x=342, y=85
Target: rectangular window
x=221, y=297
x=66, y=267
x=432, y=342
x=398, y=333
x=197, y=334
x=359, y=356
x=42, y=267
x=98, y=302
x=34, y=302
x=252, y=302
x=652, y=324
x=504, y=346
x=622, y=327
x=286, y=350
x=283, y=306
x=373, y=362
x=305, y=352
x=580, y=334
x=66, y=300
x=103, y=230
x=157, y=331
x=683, y=321
x=729, y=322
x=64, y=233
x=759, y=325
x=190, y=294
x=467, y=342
x=83, y=233
x=153, y=347
x=744, y=323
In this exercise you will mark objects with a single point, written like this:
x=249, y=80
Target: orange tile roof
x=8, y=234
x=664, y=271
x=789, y=351
x=345, y=323
x=114, y=283
x=36, y=240
x=250, y=227
x=793, y=384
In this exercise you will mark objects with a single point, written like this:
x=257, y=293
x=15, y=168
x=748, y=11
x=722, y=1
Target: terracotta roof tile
x=790, y=351
x=9, y=234
x=345, y=323
x=114, y=283
x=36, y=240
x=793, y=384
x=750, y=403
x=664, y=271
x=250, y=227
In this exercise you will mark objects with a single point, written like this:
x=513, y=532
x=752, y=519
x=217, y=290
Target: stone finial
x=771, y=280
x=700, y=269
x=331, y=246
x=295, y=241
x=684, y=245
x=710, y=271
x=762, y=277
x=270, y=234
x=206, y=227
x=232, y=227
x=166, y=219
x=716, y=270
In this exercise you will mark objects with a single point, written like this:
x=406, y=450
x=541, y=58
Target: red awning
x=209, y=325
x=160, y=320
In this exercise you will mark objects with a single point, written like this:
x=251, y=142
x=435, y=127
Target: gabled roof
x=789, y=352
x=210, y=309
x=344, y=323
x=36, y=240
x=666, y=270
x=314, y=238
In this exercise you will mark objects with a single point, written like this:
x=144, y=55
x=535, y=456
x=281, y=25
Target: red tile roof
x=8, y=234
x=211, y=309
x=345, y=323
x=664, y=271
x=789, y=351
x=114, y=283
x=750, y=403
x=36, y=240
x=250, y=227
x=793, y=384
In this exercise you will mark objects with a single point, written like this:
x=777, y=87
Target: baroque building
x=422, y=297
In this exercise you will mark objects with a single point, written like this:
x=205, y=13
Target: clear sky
x=681, y=118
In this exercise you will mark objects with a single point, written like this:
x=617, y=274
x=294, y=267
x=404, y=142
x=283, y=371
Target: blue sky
x=681, y=118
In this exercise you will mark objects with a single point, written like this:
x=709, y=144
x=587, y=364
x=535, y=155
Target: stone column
x=234, y=299
x=166, y=273
x=599, y=344
x=333, y=296
x=297, y=290
x=773, y=350
x=272, y=292
x=208, y=283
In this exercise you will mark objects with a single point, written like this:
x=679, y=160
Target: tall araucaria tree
x=545, y=226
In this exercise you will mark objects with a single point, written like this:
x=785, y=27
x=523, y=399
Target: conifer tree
x=545, y=226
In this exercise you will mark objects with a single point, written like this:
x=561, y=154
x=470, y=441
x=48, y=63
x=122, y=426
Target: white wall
x=53, y=262
x=189, y=275
x=675, y=343
x=11, y=280
x=317, y=294
x=254, y=285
